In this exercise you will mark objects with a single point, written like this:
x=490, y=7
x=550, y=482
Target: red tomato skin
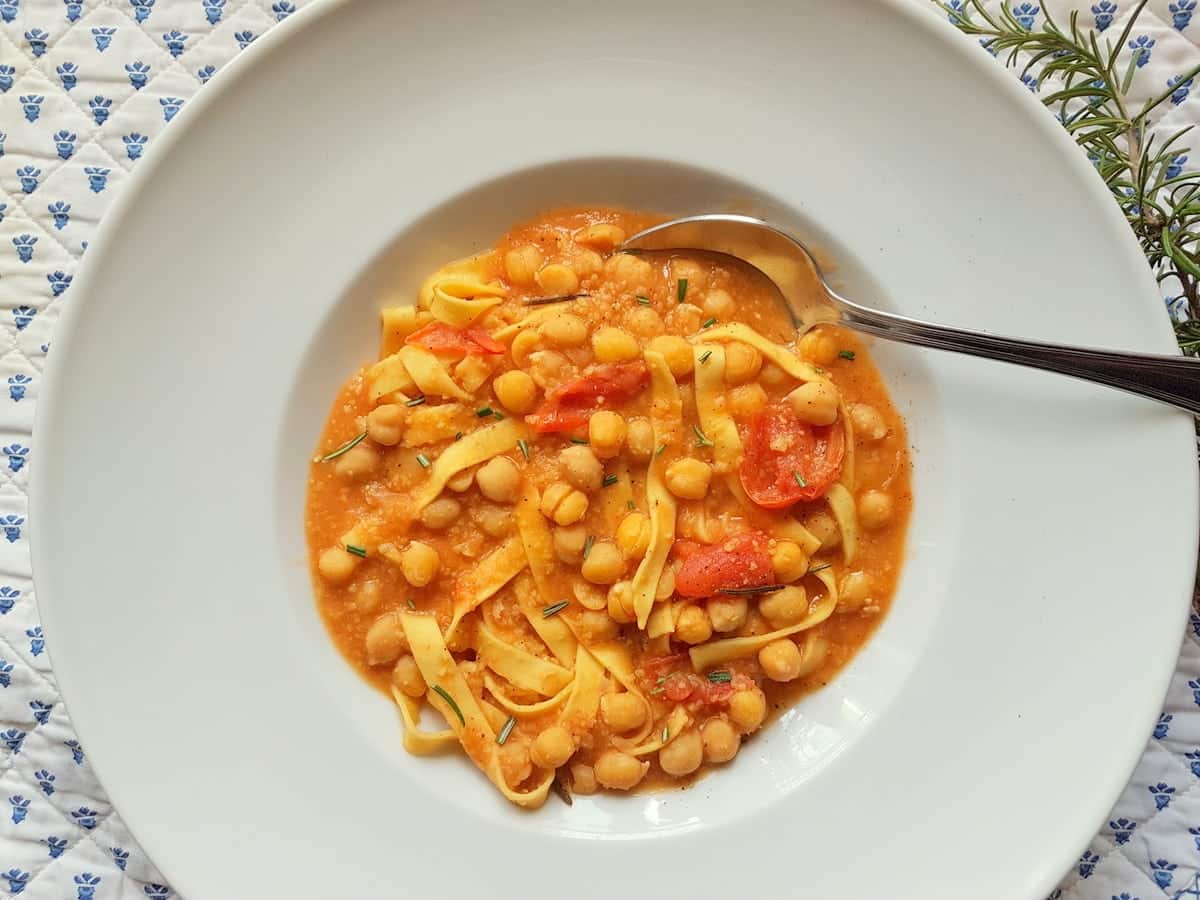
x=570, y=405
x=814, y=452
x=438, y=337
x=738, y=562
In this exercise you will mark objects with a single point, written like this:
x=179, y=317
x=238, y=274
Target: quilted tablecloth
x=85, y=88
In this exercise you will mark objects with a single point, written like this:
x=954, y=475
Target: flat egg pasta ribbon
x=460, y=301
x=614, y=657
x=466, y=717
x=615, y=499
x=715, y=421
x=531, y=320
x=487, y=577
x=579, y=715
x=476, y=447
x=519, y=667
x=388, y=376
x=523, y=710
x=666, y=417
x=707, y=656
x=398, y=323
x=416, y=740
x=429, y=374
x=677, y=722
x=539, y=550
x=841, y=504
x=781, y=356
x=848, y=472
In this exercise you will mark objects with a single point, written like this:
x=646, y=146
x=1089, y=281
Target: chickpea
x=771, y=375
x=336, y=565
x=855, y=591
x=818, y=347
x=747, y=709
x=563, y=504
x=683, y=755
x=499, y=479
x=589, y=596
x=565, y=330
x=583, y=779
x=868, y=423
x=606, y=433
x=789, y=561
x=813, y=651
x=515, y=764
x=727, y=613
x=461, y=482
x=586, y=262
x=693, y=272
x=619, y=771
x=666, y=584
x=640, y=439
x=552, y=748
x=686, y=318
x=633, y=534
x=385, y=423
x=407, y=677
x=356, y=462
x=522, y=347
x=693, y=626
x=721, y=742
x=595, y=627
x=644, y=322
x=631, y=271
x=746, y=400
x=385, y=640
x=780, y=660
x=719, y=303
x=581, y=468
x=521, y=263
x=516, y=391
x=601, y=236
x=613, y=345
x=620, y=603
x=495, y=521
x=786, y=607
x=676, y=351
x=367, y=596
x=604, y=563
x=689, y=478
x=441, y=513
x=815, y=403
x=622, y=712
x=568, y=543
x=557, y=279
x=742, y=363
x=874, y=509
x=419, y=563
x=548, y=367
x=824, y=528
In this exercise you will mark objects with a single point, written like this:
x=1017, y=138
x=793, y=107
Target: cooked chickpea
x=586, y=262
x=601, y=236
x=683, y=755
x=693, y=626
x=747, y=709
x=818, y=347
x=513, y=757
x=644, y=322
x=563, y=504
x=522, y=347
x=742, y=363
x=495, y=521
x=719, y=303
x=874, y=509
x=721, y=742
x=635, y=273
x=688, y=478
x=581, y=468
x=606, y=433
x=855, y=590
x=824, y=528
x=746, y=400
x=771, y=375
x=686, y=318
x=385, y=640
x=565, y=330
x=780, y=660
x=622, y=712
x=407, y=677
x=557, y=279
x=336, y=565
x=676, y=351
x=499, y=479
x=813, y=650
x=516, y=391
x=548, y=367
x=727, y=613
x=620, y=603
x=619, y=771
x=789, y=561
x=568, y=543
x=583, y=779
x=385, y=424
x=868, y=423
x=640, y=439
x=367, y=596
x=815, y=403
x=666, y=584
x=786, y=607
x=419, y=563
x=604, y=563
x=522, y=263
x=552, y=747
x=441, y=513
x=595, y=627
x=461, y=482
x=613, y=345
x=633, y=534
x=356, y=462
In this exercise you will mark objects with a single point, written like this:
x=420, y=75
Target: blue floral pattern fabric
x=85, y=88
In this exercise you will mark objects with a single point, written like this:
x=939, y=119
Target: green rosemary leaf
x=360, y=552
x=555, y=608
x=846, y=354
x=483, y=412
x=720, y=676
x=588, y=543
x=415, y=401
x=345, y=448
x=445, y=695
x=609, y=480
x=643, y=299
x=506, y=730
x=523, y=446
x=701, y=438
x=423, y=460
x=799, y=478
x=704, y=356
x=681, y=289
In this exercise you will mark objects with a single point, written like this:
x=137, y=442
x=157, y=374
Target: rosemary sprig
x=345, y=448
x=506, y=731
x=701, y=438
x=355, y=550
x=747, y=591
x=559, y=298
x=555, y=608
x=445, y=695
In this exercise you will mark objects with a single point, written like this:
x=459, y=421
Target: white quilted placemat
x=85, y=87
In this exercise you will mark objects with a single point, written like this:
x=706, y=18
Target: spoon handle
x=1174, y=380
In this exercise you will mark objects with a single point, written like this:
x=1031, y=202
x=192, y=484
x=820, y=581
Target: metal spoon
x=1174, y=380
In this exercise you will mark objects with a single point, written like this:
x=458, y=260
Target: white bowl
x=1005, y=699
